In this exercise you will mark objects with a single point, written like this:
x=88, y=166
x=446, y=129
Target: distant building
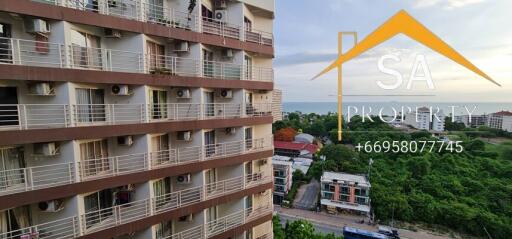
x=294, y=149
x=421, y=119
x=282, y=177
x=500, y=120
x=304, y=138
x=474, y=121
x=345, y=192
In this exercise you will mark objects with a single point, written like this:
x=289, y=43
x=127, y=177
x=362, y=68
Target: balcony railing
x=31, y=178
x=96, y=220
x=43, y=116
x=143, y=11
x=47, y=54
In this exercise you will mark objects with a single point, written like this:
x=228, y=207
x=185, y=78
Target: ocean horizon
x=387, y=107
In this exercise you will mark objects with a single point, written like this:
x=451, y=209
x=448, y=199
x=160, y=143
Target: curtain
x=4, y=222
x=95, y=156
x=22, y=216
x=11, y=161
x=82, y=108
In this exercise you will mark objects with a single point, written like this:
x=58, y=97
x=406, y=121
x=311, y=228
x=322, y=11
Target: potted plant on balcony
x=161, y=71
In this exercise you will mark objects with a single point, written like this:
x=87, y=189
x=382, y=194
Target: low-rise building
x=345, y=192
x=282, y=177
x=295, y=149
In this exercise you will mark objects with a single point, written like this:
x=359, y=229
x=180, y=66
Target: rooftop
x=345, y=177
x=503, y=113
x=311, y=148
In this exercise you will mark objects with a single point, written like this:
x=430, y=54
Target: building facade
x=136, y=119
x=500, y=120
x=473, y=121
x=424, y=119
x=283, y=172
x=345, y=192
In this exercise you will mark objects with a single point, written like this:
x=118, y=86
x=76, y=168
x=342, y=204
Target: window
x=8, y=101
x=11, y=161
x=14, y=219
x=247, y=24
x=209, y=103
x=155, y=11
x=163, y=230
x=5, y=45
x=93, y=203
x=85, y=50
x=209, y=141
x=208, y=70
x=160, y=149
x=248, y=138
x=159, y=103
x=94, y=157
x=161, y=190
x=248, y=67
x=90, y=105
x=156, y=55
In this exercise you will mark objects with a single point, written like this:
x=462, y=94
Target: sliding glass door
x=90, y=105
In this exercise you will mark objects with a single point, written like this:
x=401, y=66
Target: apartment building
x=423, y=118
x=473, y=121
x=136, y=118
x=500, y=120
x=282, y=167
x=345, y=192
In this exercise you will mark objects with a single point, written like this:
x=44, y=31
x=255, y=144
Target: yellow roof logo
x=404, y=23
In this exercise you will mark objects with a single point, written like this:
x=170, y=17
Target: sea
x=388, y=108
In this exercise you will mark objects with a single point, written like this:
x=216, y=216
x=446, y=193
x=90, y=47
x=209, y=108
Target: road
x=326, y=223
x=321, y=228
x=307, y=194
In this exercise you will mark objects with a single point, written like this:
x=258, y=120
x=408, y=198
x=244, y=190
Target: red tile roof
x=312, y=148
x=503, y=113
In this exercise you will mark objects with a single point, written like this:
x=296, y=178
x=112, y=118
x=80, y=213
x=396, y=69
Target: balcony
x=32, y=178
x=142, y=11
x=44, y=116
x=120, y=214
x=54, y=55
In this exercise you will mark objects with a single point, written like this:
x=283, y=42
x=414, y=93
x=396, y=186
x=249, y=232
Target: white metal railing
x=100, y=219
x=62, y=228
x=41, y=116
x=38, y=177
x=168, y=16
x=47, y=54
x=108, y=217
x=257, y=36
x=224, y=29
x=236, y=219
x=143, y=11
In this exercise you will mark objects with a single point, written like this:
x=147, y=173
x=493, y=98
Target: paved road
x=307, y=196
x=319, y=228
x=326, y=223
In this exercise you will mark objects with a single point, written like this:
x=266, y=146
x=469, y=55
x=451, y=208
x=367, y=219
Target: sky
x=305, y=32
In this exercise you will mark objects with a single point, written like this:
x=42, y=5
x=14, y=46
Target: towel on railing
x=42, y=45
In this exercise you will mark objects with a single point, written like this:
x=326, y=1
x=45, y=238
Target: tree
x=300, y=229
x=453, y=126
x=277, y=228
x=285, y=134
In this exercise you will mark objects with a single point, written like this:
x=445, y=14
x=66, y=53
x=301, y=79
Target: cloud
x=445, y=4
x=304, y=58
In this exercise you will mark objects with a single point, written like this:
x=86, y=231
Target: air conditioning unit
x=187, y=218
x=227, y=53
x=184, y=135
x=230, y=130
x=181, y=46
x=43, y=89
x=120, y=90
x=221, y=15
x=46, y=149
x=37, y=26
x=183, y=93
x=125, y=140
x=51, y=206
x=184, y=178
x=221, y=4
x=112, y=33
x=228, y=94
